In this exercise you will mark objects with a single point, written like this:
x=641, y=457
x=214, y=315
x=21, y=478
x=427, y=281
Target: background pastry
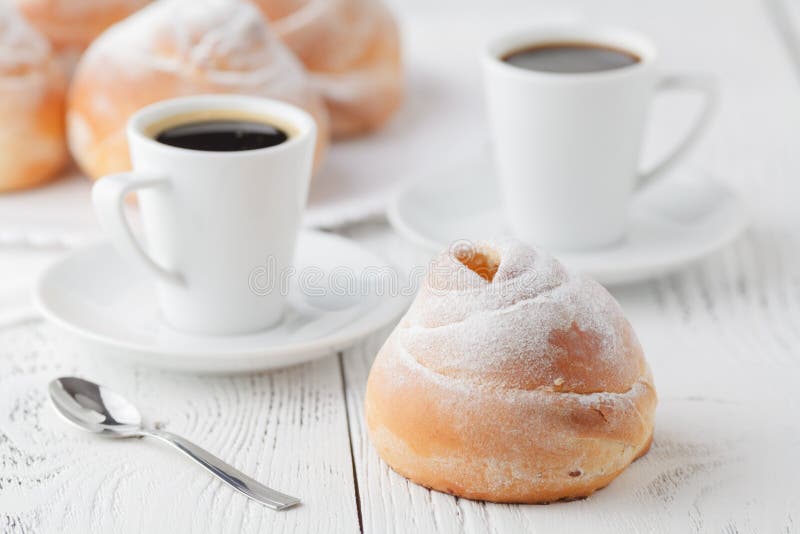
x=71, y=25
x=173, y=48
x=510, y=379
x=32, y=91
x=352, y=51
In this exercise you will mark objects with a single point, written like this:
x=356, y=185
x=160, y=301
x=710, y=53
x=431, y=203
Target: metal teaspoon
x=99, y=410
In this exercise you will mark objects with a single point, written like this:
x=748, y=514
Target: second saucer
x=679, y=219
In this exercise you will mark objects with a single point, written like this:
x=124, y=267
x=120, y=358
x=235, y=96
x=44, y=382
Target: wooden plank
x=721, y=335
x=287, y=428
x=786, y=18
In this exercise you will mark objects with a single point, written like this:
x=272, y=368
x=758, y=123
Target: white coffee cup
x=567, y=145
x=211, y=219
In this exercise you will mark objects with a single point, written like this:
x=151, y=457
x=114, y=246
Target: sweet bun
x=174, y=48
x=352, y=51
x=71, y=25
x=32, y=91
x=510, y=379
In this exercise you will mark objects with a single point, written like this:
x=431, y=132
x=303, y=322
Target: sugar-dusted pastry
x=32, y=91
x=352, y=50
x=510, y=379
x=71, y=25
x=174, y=48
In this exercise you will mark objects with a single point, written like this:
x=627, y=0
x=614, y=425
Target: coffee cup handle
x=108, y=197
x=705, y=85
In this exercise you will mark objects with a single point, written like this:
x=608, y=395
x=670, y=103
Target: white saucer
x=678, y=219
x=98, y=298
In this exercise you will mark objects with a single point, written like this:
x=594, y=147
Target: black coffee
x=570, y=58
x=223, y=135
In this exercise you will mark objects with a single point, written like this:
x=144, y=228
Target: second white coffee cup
x=567, y=145
x=212, y=219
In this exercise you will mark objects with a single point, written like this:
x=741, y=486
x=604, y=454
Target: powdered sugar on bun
x=219, y=39
x=73, y=24
x=21, y=47
x=530, y=325
x=352, y=51
x=510, y=379
x=174, y=48
x=32, y=87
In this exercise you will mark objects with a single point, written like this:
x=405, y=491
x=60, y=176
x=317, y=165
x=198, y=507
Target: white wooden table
x=722, y=336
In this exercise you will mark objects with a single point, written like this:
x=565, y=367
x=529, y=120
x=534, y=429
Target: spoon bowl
x=95, y=408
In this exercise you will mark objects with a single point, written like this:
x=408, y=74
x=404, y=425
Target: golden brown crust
x=493, y=437
x=352, y=51
x=32, y=93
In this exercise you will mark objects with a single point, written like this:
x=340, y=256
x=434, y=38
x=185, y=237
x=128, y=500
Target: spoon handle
x=229, y=474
